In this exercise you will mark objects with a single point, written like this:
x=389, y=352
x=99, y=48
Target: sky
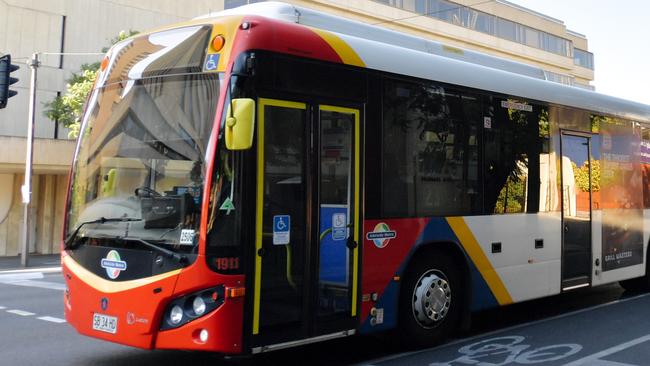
x=618, y=34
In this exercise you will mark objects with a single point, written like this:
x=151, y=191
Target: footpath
x=48, y=263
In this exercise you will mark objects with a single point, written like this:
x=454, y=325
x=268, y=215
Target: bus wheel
x=641, y=284
x=430, y=300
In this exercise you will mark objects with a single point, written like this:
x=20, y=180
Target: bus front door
x=576, y=212
x=307, y=224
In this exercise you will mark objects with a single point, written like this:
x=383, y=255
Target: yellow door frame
x=262, y=103
x=355, y=251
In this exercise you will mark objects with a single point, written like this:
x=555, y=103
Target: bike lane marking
x=508, y=350
x=501, y=331
x=595, y=359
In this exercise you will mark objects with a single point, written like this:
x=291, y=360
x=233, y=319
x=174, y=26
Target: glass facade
x=583, y=58
x=479, y=21
x=559, y=78
x=229, y=4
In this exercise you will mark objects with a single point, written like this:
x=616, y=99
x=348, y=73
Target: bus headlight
x=185, y=309
x=176, y=315
x=198, y=305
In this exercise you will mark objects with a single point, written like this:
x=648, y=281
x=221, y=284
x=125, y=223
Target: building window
x=583, y=58
x=229, y=4
x=463, y=16
x=559, y=78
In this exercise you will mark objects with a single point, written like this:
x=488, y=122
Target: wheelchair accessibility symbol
x=281, y=229
x=211, y=62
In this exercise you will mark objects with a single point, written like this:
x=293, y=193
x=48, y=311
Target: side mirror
x=240, y=124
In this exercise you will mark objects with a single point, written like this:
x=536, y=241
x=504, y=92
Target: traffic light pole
x=27, y=186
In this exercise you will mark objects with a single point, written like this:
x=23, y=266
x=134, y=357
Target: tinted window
x=430, y=161
x=514, y=142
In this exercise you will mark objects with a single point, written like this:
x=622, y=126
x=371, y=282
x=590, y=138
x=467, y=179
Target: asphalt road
x=602, y=326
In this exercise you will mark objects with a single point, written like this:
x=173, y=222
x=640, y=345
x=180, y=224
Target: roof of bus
x=391, y=51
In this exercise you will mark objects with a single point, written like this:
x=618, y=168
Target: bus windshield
x=140, y=161
x=142, y=155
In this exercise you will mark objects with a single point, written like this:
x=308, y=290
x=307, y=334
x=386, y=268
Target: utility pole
x=34, y=64
x=27, y=186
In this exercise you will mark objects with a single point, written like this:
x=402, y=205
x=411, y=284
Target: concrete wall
x=48, y=199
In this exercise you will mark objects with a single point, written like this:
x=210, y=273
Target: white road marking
x=29, y=270
x=20, y=312
x=592, y=359
x=52, y=319
x=2, y=307
x=10, y=277
x=39, y=284
x=609, y=363
x=29, y=279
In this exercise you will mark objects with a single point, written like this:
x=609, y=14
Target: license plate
x=105, y=323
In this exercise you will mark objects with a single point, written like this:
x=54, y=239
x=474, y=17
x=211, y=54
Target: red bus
x=272, y=176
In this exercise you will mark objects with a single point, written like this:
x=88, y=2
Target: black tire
x=426, y=278
x=641, y=284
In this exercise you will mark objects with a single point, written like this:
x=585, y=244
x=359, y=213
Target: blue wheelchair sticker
x=211, y=62
x=339, y=227
x=281, y=229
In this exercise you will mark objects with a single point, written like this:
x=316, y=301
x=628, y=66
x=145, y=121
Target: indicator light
x=104, y=64
x=218, y=42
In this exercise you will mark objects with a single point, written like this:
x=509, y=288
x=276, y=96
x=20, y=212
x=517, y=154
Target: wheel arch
x=458, y=255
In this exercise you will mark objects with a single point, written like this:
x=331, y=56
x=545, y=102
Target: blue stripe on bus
x=437, y=229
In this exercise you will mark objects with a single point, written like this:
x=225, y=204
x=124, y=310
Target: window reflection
x=516, y=140
x=430, y=162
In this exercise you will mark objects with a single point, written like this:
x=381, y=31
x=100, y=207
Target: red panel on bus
x=283, y=37
x=386, y=244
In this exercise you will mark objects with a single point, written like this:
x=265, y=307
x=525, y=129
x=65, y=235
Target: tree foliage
x=67, y=108
x=582, y=175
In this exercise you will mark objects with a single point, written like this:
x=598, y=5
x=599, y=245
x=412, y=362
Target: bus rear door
x=576, y=213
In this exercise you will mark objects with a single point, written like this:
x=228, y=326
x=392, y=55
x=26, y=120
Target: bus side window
x=512, y=148
x=430, y=150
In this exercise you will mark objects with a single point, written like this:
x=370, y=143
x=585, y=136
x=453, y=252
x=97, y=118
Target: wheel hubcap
x=431, y=299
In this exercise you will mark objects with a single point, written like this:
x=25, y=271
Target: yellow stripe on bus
x=355, y=252
x=348, y=55
x=263, y=102
x=476, y=254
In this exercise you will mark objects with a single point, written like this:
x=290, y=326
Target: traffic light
x=6, y=68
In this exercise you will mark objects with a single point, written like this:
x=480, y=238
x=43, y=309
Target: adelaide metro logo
x=381, y=235
x=113, y=264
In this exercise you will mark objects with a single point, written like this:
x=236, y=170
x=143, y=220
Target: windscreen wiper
x=102, y=220
x=181, y=259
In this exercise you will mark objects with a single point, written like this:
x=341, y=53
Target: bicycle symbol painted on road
x=509, y=350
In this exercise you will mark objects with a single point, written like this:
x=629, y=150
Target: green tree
x=582, y=175
x=67, y=108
